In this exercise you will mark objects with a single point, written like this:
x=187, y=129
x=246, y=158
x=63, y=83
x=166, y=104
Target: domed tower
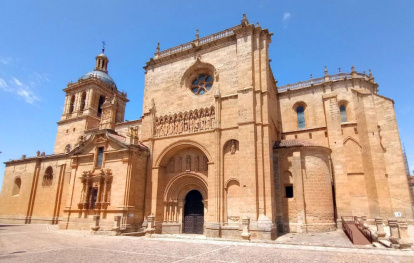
x=83, y=105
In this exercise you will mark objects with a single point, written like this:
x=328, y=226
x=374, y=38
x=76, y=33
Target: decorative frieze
x=185, y=122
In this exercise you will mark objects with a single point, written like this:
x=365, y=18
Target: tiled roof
x=118, y=137
x=292, y=143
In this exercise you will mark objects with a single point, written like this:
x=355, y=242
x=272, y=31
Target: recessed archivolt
x=182, y=144
x=179, y=186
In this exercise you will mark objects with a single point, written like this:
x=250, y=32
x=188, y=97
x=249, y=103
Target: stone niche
x=305, y=198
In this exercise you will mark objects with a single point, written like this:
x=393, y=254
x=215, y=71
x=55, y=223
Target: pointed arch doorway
x=193, y=213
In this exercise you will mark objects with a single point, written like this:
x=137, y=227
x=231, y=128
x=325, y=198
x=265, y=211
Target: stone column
x=395, y=236
x=151, y=225
x=380, y=227
x=245, y=224
x=175, y=212
x=404, y=240
x=165, y=219
x=117, y=223
x=95, y=226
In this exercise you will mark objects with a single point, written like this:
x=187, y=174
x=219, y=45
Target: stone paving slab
x=37, y=243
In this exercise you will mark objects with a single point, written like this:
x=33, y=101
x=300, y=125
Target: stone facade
x=219, y=150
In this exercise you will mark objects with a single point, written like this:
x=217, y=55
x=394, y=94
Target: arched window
x=300, y=111
x=83, y=101
x=48, y=177
x=72, y=104
x=342, y=110
x=16, y=186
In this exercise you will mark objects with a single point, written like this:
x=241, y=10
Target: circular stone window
x=201, y=84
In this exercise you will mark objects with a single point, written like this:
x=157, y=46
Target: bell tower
x=84, y=105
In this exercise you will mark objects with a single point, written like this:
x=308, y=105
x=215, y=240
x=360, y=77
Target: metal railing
x=345, y=221
x=358, y=222
x=364, y=230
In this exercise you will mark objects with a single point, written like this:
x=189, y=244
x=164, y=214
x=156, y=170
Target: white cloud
x=5, y=61
x=286, y=19
x=3, y=83
x=4, y=86
x=14, y=85
x=17, y=82
x=27, y=95
x=25, y=86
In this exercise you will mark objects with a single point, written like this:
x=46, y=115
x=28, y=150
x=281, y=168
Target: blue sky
x=46, y=44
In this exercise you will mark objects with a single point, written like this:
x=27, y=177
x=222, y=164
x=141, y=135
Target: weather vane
x=103, y=46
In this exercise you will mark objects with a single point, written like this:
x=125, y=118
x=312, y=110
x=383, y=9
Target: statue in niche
x=233, y=147
x=166, y=127
x=196, y=163
x=157, y=127
x=196, y=122
x=180, y=164
x=202, y=121
x=180, y=124
x=185, y=123
x=213, y=118
x=191, y=128
x=207, y=120
x=171, y=165
x=188, y=163
x=161, y=128
x=175, y=125
x=171, y=126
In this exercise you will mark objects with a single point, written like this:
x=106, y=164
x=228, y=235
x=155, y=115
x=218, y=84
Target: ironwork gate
x=194, y=213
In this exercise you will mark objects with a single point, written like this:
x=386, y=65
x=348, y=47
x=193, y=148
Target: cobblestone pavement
x=40, y=243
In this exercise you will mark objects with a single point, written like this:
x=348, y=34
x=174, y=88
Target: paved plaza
x=44, y=243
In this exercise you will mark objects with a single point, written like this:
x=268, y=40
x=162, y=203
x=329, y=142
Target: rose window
x=201, y=84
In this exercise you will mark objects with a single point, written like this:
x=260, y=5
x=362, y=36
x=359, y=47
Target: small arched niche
x=48, y=177
x=233, y=201
x=16, y=186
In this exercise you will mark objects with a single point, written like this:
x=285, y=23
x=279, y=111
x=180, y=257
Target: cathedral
x=220, y=149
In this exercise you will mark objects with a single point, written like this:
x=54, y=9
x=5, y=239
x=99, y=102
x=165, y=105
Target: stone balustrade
x=335, y=77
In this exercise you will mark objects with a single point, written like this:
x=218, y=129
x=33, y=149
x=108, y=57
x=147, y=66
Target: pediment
x=103, y=138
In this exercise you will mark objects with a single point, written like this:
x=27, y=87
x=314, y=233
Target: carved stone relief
x=185, y=122
x=192, y=163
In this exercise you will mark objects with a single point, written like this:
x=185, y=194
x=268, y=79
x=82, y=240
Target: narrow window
x=342, y=109
x=301, y=117
x=48, y=177
x=101, y=102
x=289, y=191
x=16, y=186
x=83, y=102
x=100, y=157
x=72, y=104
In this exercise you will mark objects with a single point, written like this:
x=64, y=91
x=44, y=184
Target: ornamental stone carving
x=185, y=122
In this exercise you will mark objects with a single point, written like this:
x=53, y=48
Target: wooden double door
x=193, y=213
